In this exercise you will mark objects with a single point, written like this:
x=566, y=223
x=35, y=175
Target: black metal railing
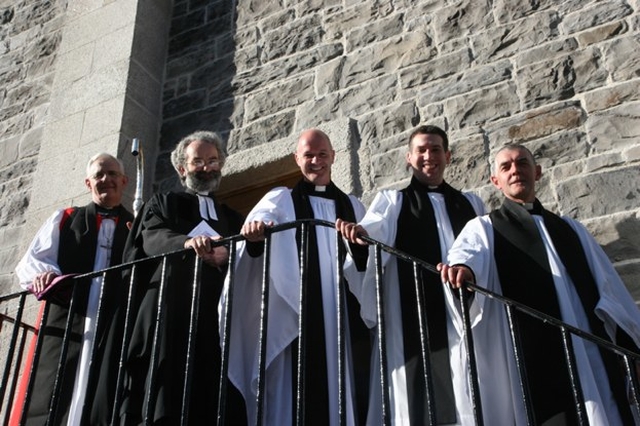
x=16, y=336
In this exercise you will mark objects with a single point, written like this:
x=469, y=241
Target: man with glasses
x=169, y=222
x=76, y=240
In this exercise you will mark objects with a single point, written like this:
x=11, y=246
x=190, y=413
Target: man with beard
x=170, y=222
x=76, y=240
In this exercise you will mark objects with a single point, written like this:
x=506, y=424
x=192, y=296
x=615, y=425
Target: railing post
x=576, y=389
x=128, y=328
x=57, y=386
x=382, y=338
x=514, y=332
x=226, y=333
x=264, y=321
x=155, y=347
x=191, y=343
x=425, y=344
x=474, y=387
x=302, y=325
x=340, y=303
x=12, y=346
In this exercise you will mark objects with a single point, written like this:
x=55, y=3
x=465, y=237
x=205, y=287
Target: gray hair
x=100, y=155
x=513, y=147
x=178, y=155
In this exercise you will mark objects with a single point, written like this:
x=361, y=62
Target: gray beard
x=199, y=185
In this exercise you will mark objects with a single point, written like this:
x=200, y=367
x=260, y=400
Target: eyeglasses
x=109, y=173
x=209, y=163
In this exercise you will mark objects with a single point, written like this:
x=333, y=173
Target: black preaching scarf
x=418, y=236
x=316, y=396
x=519, y=248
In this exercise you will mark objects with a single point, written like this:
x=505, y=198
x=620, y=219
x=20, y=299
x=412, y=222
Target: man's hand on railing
x=351, y=231
x=212, y=256
x=254, y=231
x=42, y=281
x=455, y=275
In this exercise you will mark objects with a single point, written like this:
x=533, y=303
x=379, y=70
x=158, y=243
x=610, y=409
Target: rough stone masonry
x=561, y=76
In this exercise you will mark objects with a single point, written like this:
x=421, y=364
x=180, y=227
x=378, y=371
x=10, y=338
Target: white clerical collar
x=207, y=208
x=528, y=206
x=321, y=188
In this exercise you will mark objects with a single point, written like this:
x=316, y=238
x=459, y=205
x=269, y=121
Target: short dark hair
x=429, y=129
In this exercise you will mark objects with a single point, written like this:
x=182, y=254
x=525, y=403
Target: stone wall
x=561, y=77
x=77, y=77
x=30, y=34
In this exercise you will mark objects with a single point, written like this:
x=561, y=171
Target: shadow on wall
x=198, y=79
x=625, y=253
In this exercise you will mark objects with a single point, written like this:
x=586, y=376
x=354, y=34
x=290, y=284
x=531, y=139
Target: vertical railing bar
x=92, y=352
x=302, y=323
x=16, y=377
x=155, y=347
x=264, y=321
x=631, y=367
x=34, y=363
x=514, y=332
x=341, y=318
x=474, y=386
x=425, y=344
x=12, y=348
x=382, y=338
x=128, y=325
x=576, y=389
x=57, y=384
x=226, y=333
x=191, y=343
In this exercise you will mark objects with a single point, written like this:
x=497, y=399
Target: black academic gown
x=76, y=254
x=163, y=226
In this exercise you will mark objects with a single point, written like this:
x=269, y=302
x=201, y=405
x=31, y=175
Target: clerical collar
x=206, y=207
x=102, y=211
x=324, y=191
x=428, y=188
x=533, y=208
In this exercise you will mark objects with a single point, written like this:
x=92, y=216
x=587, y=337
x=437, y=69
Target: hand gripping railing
x=630, y=358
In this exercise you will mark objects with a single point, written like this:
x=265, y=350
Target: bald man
x=315, y=196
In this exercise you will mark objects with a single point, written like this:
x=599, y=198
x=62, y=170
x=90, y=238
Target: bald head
x=315, y=156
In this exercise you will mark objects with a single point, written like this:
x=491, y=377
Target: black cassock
x=76, y=254
x=163, y=226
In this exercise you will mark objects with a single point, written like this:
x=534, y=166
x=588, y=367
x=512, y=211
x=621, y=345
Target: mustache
x=203, y=180
x=204, y=175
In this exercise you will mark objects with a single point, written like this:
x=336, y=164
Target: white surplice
x=474, y=248
x=284, y=300
x=381, y=223
x=42, y=256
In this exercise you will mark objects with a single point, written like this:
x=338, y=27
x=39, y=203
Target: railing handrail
x=468, y=286
x=389, y=249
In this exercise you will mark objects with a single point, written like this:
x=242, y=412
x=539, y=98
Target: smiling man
x=421, y=220
x=315, y=196
x=76, y=240
x=551, y=264
x=170, y=221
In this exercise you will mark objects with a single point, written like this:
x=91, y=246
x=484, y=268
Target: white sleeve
x=358, y=208
x=381, y=219
x=276, y=206
x=42, y=254
x=616, y=307
x=476, y=203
